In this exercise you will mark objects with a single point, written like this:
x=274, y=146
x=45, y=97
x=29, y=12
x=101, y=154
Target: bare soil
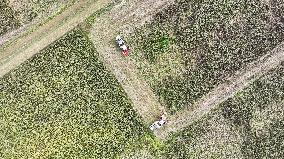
x=26, y=46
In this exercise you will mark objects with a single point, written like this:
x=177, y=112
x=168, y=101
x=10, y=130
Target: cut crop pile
x=249, y=125
x=63, y=103
x=8, y=18
x=193, y=46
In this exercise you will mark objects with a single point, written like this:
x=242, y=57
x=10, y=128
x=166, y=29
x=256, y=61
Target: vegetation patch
x=29, y=10
x=210, y=137
x=212, y=39
x=8, y=18
x=249, y=125
x=258, y=114
x=20, y=13
x=63, y=103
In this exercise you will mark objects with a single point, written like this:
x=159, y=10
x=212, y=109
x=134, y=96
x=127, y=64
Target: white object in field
x=123, y=47
x=119, y=41
x=157, y=124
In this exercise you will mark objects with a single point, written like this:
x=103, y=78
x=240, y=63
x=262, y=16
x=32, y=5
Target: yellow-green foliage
x=63, y=103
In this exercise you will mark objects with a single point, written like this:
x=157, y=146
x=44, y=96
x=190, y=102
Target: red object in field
x=125, y=52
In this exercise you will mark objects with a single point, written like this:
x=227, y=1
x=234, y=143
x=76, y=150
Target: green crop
x=63, y=103
x=212, y=40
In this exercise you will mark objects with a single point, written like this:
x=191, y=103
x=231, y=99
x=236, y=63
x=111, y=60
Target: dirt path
x=30, y=44
x=224, y=91
x=125, y=17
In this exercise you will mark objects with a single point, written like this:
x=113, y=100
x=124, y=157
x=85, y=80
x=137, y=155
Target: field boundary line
x=27, y=46
x=237, y=82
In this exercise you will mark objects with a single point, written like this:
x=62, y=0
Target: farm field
x=41, y=35
x=63, y=103
x=248, y=125
x=75, y=96
x=16, y=15
x=193, y=46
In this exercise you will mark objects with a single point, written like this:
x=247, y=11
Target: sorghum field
x=63, y=103
x=249, y=125
x=193, y=46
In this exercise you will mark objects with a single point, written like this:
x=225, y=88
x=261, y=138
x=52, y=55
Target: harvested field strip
x=238, y=82
x=63, y=103
x=25, y=47
x=144, y=101
x=193, y=46
x=248, y=125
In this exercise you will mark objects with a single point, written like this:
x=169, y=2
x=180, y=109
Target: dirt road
x=221, y=93
x=125, y=17
x=30, y=44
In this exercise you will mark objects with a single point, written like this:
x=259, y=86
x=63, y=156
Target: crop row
x=193, y=46
x=248, y=125
x=63, y=103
